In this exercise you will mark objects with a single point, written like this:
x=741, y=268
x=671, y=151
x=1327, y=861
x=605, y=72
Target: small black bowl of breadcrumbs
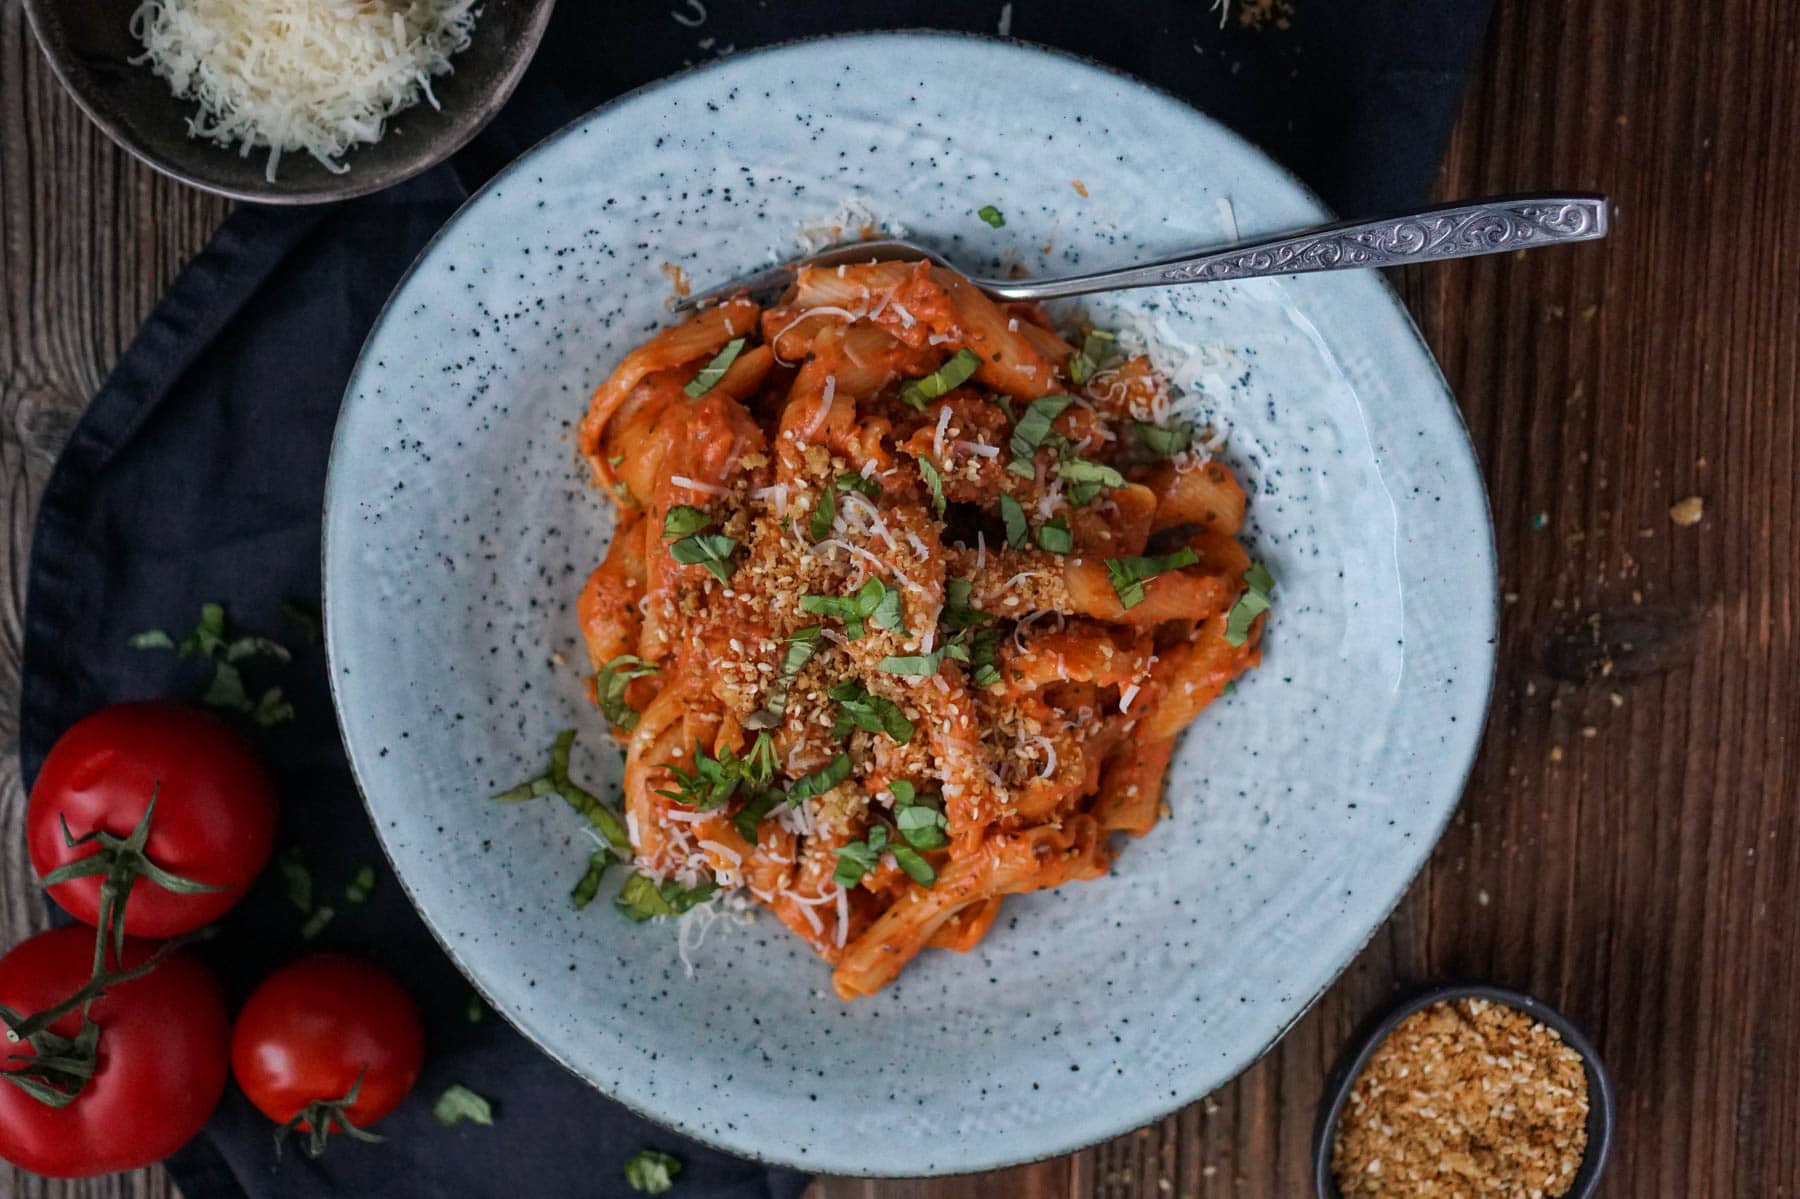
x=1471, y=1092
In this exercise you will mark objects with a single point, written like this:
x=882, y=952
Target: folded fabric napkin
x=197, y=473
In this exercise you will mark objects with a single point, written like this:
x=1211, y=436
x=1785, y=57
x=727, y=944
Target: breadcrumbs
x=1465, y=1098
x=1688, y=512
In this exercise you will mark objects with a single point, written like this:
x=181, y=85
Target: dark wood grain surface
x=1629, y=847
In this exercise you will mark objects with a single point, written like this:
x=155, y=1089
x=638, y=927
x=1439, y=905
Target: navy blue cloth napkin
x=197, y=474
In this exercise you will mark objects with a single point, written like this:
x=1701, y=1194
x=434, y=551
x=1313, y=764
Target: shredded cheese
x=321, y=76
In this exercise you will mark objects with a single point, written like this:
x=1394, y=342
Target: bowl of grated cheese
x=290, y=101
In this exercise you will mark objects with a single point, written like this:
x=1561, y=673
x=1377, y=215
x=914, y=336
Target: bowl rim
x=1011, y=1159
x=77, y=83
x=1602, y=1101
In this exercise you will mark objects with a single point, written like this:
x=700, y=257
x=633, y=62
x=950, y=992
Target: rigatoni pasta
x=908, y=600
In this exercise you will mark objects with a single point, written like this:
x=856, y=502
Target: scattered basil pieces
x=272, y=708
x=859, y=857
x=712, y=372
x=651, y=1171
x=459, y=1104
x=851, y=481
x=642, y=897
x=858, y=709
x=916, y=867
x=1018, y=532
x=920, y=819
x=588, y=885
x=1253, y=603
x=711, y=550
x=298, y=879
x=610, y=684
x=1079, y=470
x=958, y=614
x=983, y=654
x=991, y=215
x=682, y=520
x=361, y=885
x=802, y=644
x=890, y=612
x=315, y=923
x=600, y=817
x=760, y=764
x=934, y=483
x=750, y=816
x=1087, y=359
x=151, y=639
x=710, y=784
x=824, y=513
x=918, y=665
x=1166, y=440
x=226, y=688
x=939, y=382
x=853, y=610
x=476, y=1009
x=1031, y=431
x=820, y=781
x=1128, y=575
x=1055, y=536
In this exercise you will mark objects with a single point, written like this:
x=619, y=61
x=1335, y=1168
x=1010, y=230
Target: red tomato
x=162, y=1055
x=214, y=821
x=312, y=1030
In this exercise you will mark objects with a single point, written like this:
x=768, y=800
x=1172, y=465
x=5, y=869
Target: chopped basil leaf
x=298, y=879
x=934, y=483
x=890, y=614
x=711, y=550
x=958, y=614
x=916, y=867
x=917, y=665
x=610, y=684
x=851, y=609
x=556, y=781
x=1055, y=536
x=1254, y=602
x=802, y=644
x=1087, y=359
x=1018, y=532
x=983, y=653
x=226, y=689
x=1004, y=403
x=476, y=1009
x=824, y=513
x=709, y=784
x=820, y=781
x=1080, y=495
x=991, y=215
x=315, y=923
x=651, y=1171
x=920, y=820
x=1079, y=470
x=208, y=635
x=859, y=857
x=361, y=885
x=1032, y=430
x=1167, y=440
x=760, y=764
x=642, y=897
x=939, y=382
x=151, y=639
x=272, y=709
x=751, y=814
x=1128, y=575
x=712, y=372
x=682, y=520
x=851, y=481
x=460, y=1104
x=857, y=708
x=257, y=647
x=588, y=885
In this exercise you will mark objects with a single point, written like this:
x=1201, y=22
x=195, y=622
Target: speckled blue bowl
x=458, y=529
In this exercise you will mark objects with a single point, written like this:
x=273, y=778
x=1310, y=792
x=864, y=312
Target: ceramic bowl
x=1602, y=1107
x=459, y=527
x=90, y=46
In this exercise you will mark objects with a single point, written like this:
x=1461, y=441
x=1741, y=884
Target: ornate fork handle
x=1453, y=231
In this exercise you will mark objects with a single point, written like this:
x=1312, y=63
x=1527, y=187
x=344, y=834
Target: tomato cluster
x=150, y=821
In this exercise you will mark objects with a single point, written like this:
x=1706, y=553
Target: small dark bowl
x=90, y=47
x=1602, y=1109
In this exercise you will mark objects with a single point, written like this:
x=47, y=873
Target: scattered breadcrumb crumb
x=1688, y=512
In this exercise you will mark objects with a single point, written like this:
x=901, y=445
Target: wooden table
x=1629, y=847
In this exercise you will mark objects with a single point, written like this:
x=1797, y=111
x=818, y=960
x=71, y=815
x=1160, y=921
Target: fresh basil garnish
x=712, y=372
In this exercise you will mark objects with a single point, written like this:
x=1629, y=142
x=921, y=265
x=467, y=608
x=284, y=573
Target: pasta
x=908, y=600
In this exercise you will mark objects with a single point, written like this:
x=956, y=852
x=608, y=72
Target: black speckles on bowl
x=89, y=45
x=1602, y=1107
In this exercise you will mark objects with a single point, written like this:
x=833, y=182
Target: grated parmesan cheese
x=321, y=76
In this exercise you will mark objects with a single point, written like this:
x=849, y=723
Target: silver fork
x=1497, y=226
